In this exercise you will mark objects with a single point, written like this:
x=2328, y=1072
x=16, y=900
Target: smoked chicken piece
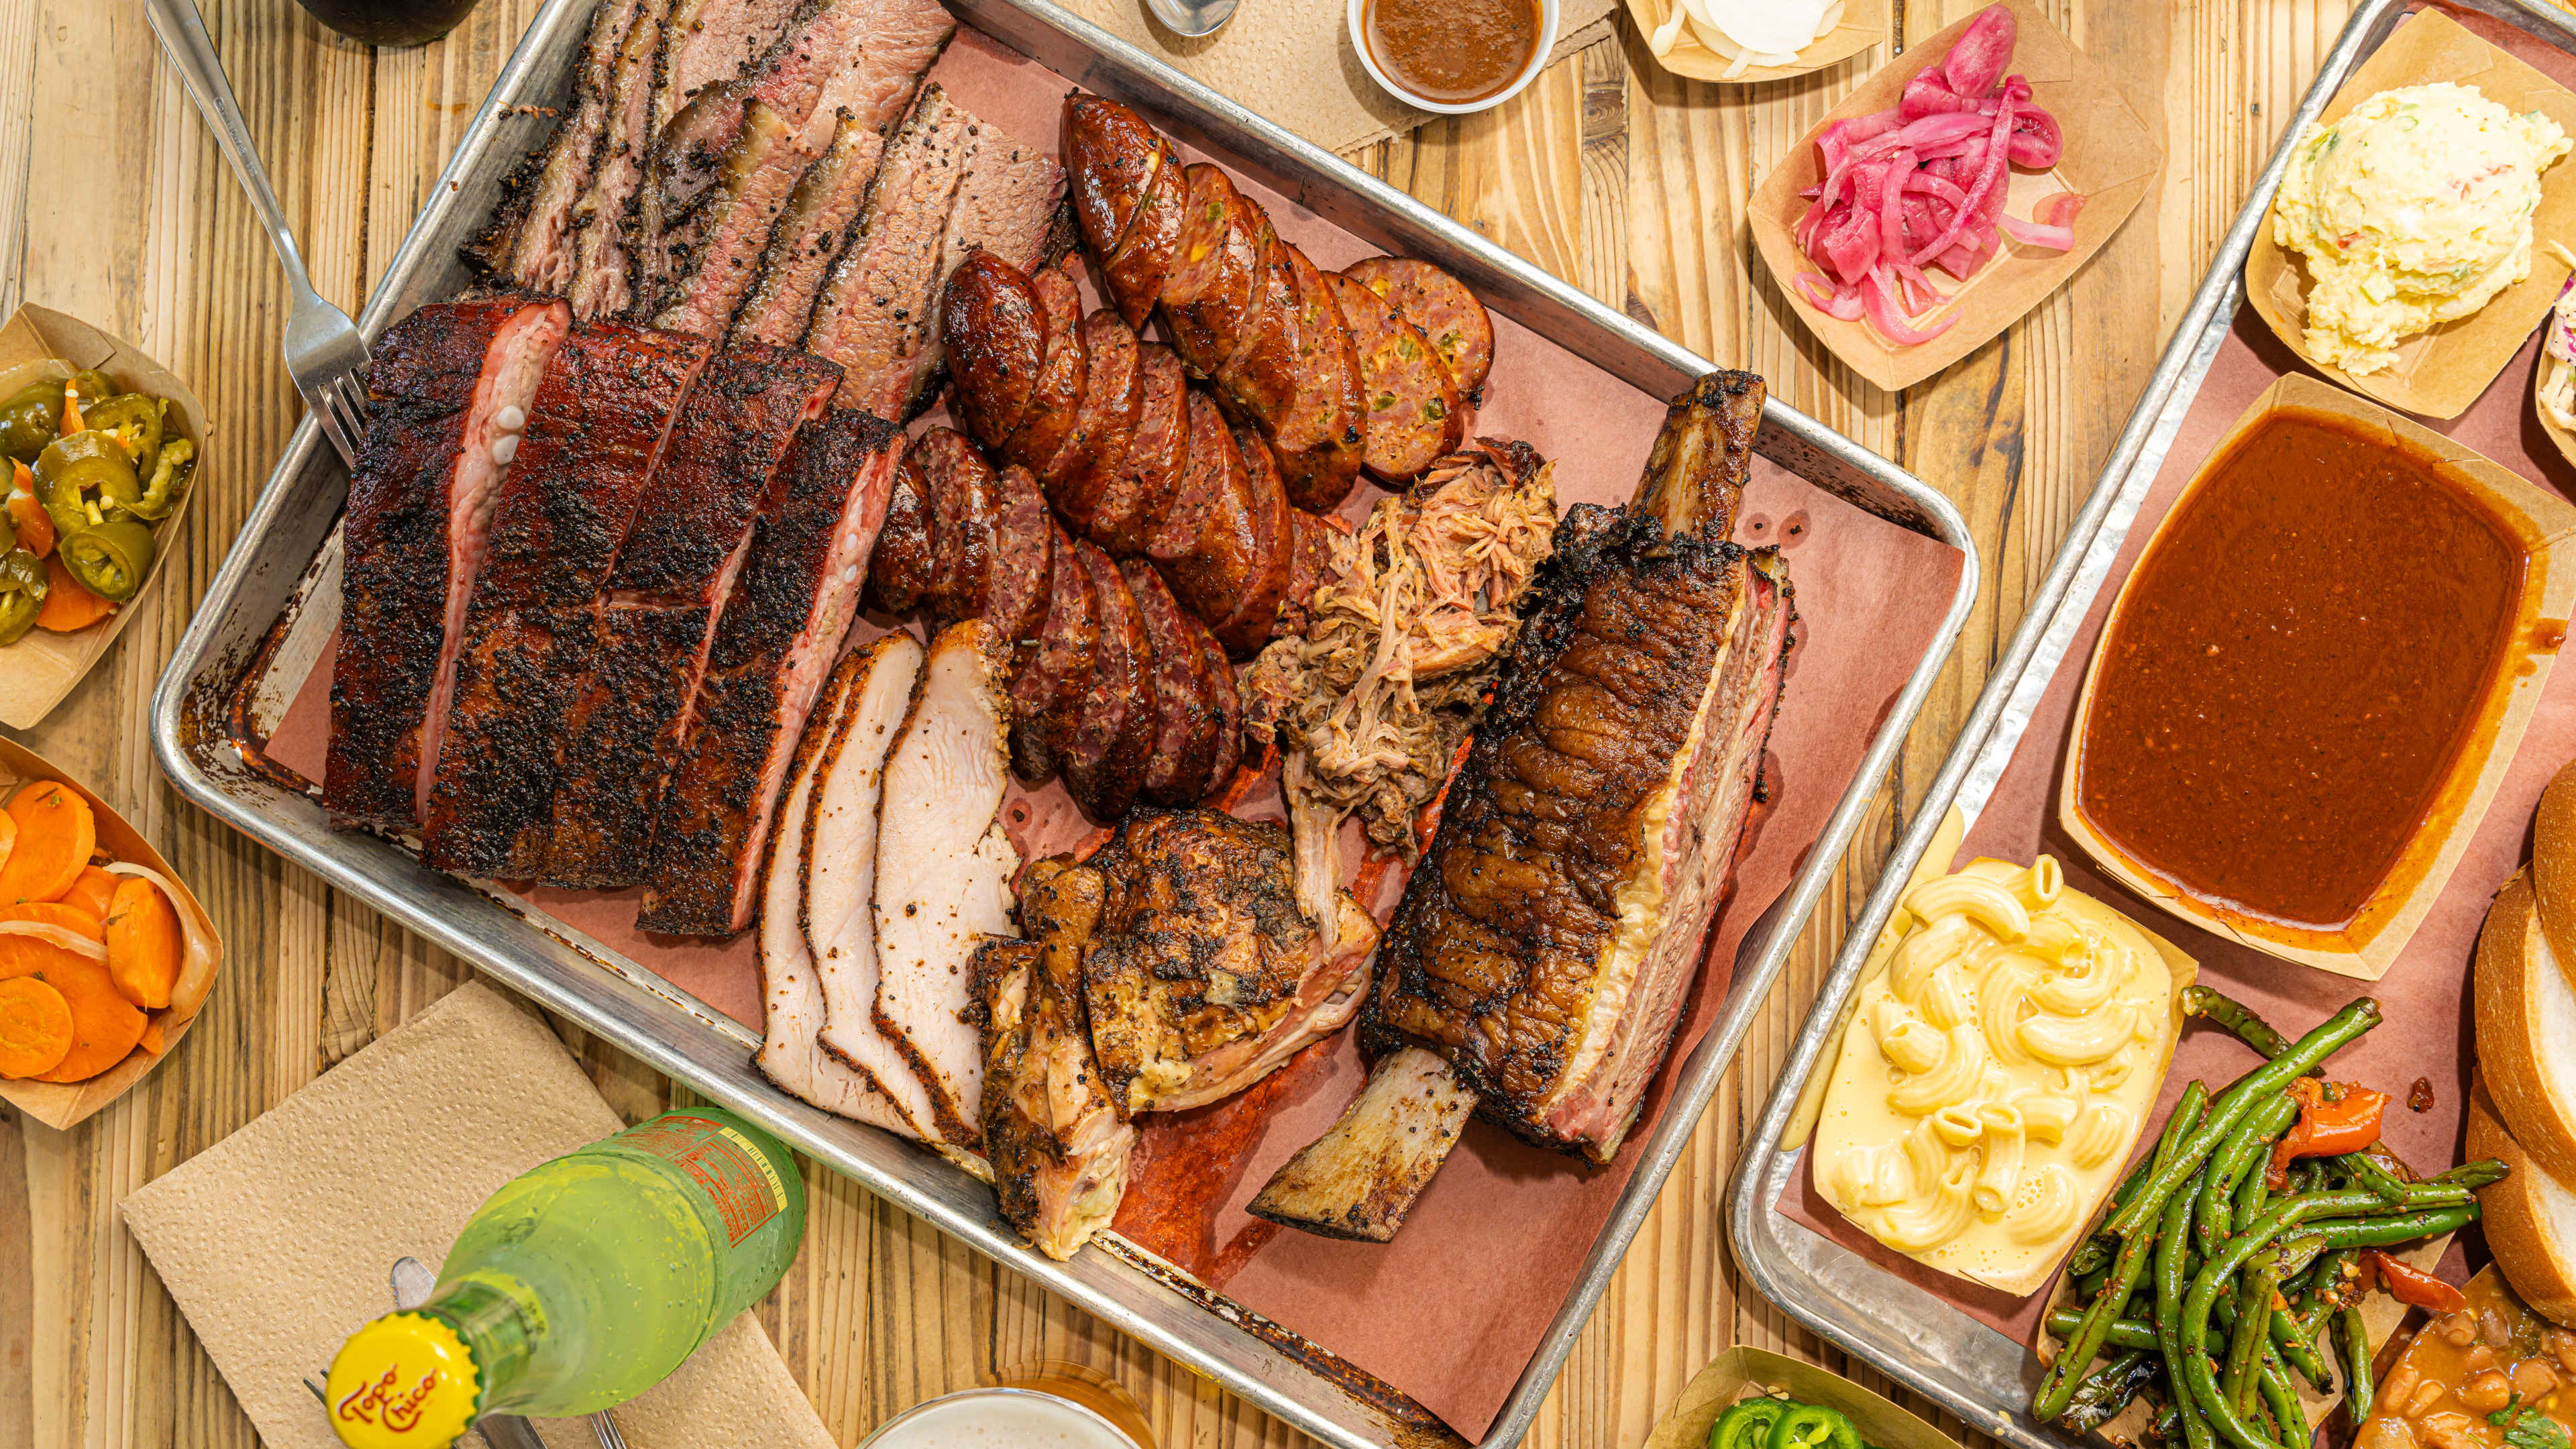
x=837, y=872
x=944, y=868
x=1058, y=1147
x=781, y=630
x=595, y=437
x=1205, y=976
x=791, y=1051
x=1607, y=785
x=658, y=618
x=450, y=389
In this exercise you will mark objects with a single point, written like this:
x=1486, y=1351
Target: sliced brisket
x=531, y=240
x=594, y=437
x=604, y=223
x=448, y=382
x=779, y=634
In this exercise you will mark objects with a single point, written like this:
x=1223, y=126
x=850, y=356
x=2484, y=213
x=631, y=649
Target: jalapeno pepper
x=1813, y=1426
x=22, y=593
x=29, y=419
x=70, y=469
x=135, y=420
x=1747, y=1425
x=108, y=558
x=170, y=474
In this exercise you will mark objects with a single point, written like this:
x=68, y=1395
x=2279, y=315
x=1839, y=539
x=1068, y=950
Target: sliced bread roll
x=2553, y=863
x=2526, y=1021
x=2530, y=1217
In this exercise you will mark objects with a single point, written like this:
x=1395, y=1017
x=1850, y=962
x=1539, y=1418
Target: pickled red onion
x=1922, y=184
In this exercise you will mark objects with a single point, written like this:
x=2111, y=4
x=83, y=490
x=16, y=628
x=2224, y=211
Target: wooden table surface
x=1623, y=180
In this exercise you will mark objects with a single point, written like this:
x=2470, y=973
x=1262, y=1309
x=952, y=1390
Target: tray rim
x=1983, y=1376
x=285, y=533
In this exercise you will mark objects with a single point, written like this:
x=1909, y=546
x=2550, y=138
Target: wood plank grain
x=1625, y=181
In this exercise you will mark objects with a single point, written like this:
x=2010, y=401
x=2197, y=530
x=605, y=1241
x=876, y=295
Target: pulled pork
x=1410, y=622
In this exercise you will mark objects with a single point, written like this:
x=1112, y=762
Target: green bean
x=2241, y=1154
x=2254, y=1192
x=2352, y=1349
x=2283, y=1400
x=2369, y=1172
x=2229, y=1108
x=2246, y=1346
x=2167, y=1421
x=2092, y=1257
x=2236, y=1016
x=2057, y=1386
x=2469, y=1176
x=2125, y=1332
x=2381, y=1232
x=2223, y=1266
x=2172, y=1262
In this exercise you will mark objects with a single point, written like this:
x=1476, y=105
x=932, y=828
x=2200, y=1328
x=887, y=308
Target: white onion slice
x=72, y=941
x=197, y=934
x=1759, y=32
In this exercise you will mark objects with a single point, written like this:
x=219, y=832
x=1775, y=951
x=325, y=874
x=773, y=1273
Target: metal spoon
x=1192, y=17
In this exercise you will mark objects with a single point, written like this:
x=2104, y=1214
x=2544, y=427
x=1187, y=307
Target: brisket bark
x=660, y=612
x=445, y=381
x=595, y=435
x=603, y=221
x=778, y=636
x=531, y=240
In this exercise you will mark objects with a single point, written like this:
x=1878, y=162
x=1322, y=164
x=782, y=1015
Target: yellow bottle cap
x=405, y=1381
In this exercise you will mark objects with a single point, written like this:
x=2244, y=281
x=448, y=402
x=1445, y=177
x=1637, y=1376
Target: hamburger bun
x=2553, y=863
x=2530, y=1217
x=2526, y=1024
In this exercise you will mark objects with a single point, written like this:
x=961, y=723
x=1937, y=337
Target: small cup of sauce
x=1453, y=56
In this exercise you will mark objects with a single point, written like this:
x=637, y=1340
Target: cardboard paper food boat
x=41, y=668
x=2111, y=157
x=61, y=1104
x=1864, y=23
x=1743, y=1373
x=2369, y=944
x=2437, y=373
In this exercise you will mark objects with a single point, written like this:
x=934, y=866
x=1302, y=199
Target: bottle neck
x=495, y=1325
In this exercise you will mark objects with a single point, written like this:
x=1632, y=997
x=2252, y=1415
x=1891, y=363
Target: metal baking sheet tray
x=270, y=611
x=1983, y=1376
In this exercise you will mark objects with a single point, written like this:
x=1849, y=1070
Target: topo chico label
x=734, y=1174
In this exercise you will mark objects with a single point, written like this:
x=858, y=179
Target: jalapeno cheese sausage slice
x=996, y=338
x=1409, y=403
x=1056, y=403
x=1185, y=724
x=1214, y=287
x=1134, y=504
x=1051, y=687
x=1438, y=303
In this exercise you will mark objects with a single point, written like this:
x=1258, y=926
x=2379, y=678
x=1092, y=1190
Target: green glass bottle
x=580, y=1284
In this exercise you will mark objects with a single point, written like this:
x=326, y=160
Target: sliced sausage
x=1023, y=554
x=1210, y=295
x=964, y=524
x=1311, y=539
x=1110, y=154
x=1057, y=401
x=1053, y=683
x=1207, y=458
x=1090, y=461
x=1185, y=721
x=1228, y=704
x=1103, y=758
x=996, y=342
x=1273, y=553
x=900, y=576
x=1212, y=570
x=1258, y=385
x=1438, y=303
x=1321, y=440
x=1410, y=405
x=1135, y=271
x=1135, y=503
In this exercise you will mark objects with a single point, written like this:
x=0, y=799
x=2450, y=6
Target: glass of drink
x=1047, y=1405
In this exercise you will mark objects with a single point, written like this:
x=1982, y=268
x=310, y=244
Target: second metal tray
x=1913, y=1336
x=253, y=640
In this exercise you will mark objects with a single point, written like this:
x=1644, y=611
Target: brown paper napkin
x=1291, y=62
x=276, y=1241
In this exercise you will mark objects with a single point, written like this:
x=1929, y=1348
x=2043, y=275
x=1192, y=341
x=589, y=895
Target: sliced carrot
x=35, y=527
x=35, y=1027
x=56, y=834
x=59, y=913
x=91, y=890
x=153, y=1041
x=105, y=1026
x=36, y=956
x=144, y=945
x=68, y=605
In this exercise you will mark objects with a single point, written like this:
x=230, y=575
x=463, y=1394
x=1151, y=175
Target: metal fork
x=324, y=352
